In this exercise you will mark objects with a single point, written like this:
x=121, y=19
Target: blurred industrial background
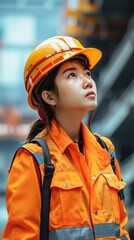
x=105, y=24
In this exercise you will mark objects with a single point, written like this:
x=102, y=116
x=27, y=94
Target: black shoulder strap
x=46, y=193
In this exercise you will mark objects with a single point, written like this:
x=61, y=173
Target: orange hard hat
x=49, y=54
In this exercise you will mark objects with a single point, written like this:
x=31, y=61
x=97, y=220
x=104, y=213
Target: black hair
x=48, y=83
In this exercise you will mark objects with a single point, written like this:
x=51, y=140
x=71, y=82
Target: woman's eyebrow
x=69, y=69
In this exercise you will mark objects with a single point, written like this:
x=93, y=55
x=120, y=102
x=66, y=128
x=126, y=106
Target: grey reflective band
x=74, y=233
x=107, y=230
x=39, y=157
x=85, y=233
x=124, y=237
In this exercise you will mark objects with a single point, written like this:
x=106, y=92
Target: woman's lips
x=91, y=94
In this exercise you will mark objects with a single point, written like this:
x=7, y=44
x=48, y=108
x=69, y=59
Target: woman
x=84, y=190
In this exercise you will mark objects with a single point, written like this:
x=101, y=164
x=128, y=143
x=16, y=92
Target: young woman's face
x=76, y=88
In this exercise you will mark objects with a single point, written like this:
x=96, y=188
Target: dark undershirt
x=80, y=143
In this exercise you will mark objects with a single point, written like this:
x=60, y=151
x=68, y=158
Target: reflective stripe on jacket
x=101, y=231
x=84, y=191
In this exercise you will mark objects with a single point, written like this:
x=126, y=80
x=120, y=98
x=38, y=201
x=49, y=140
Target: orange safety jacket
x=84, y=191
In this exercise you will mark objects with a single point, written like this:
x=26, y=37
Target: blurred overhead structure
x=105, y=18
x=102, y=23
x=79, y=22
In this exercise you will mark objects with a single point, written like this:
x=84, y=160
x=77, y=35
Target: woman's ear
x=49, y=97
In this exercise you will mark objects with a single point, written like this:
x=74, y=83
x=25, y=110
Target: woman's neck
x=71, y=124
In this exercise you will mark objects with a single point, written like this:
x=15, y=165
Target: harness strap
x=46, y=192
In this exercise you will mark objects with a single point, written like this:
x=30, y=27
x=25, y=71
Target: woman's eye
x=72, y=75
x=88, y=73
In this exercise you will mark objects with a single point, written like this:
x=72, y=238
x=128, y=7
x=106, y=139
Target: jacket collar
x=59, y=136
x=62, y=140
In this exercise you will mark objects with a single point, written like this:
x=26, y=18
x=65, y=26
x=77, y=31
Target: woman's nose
x=87, y=82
